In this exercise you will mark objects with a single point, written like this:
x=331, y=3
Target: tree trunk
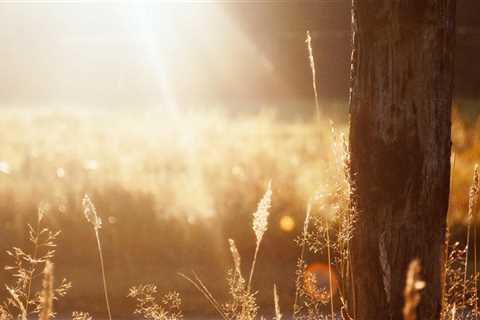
x=400, y=106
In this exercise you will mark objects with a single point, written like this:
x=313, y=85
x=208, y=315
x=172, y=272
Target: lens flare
x=316, y=282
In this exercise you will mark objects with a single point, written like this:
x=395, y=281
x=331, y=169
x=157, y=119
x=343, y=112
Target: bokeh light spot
x=287, y=223
x=4, y=167
x=91, y=165
x=60, y=173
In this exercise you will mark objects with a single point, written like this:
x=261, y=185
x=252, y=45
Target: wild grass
x=460, y=294
x=260, y=225
x=92, y=217
x=220, y=185
x=23, y=301
x=331, y=233
x=472, y=206
x=198, y=167
x=243, y=304
x=169, y=307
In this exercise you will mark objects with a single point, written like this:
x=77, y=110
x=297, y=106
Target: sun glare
x=188, y=45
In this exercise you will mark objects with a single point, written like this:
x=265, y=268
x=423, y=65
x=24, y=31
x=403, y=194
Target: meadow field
x=172, y=188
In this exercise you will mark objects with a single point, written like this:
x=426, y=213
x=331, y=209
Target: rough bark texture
x=400, y=105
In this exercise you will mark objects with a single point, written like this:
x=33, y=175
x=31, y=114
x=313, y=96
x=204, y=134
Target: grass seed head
x=474, y=193
x=235, y=256
x=260, y=217
x=91, y=213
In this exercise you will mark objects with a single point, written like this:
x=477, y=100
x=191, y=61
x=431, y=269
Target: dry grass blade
x=475, y=271
x=301, y=269
x=47, y=295
x=330, y=282
x=278, y=314
x=91, y=215
x=236, y=257
x=472, y=204
x=197, y=283
x=18, y=302
x=260, y=225
x=312, y=68
x=242, y=305
x=412, y=293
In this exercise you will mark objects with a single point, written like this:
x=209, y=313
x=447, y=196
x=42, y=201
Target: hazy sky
x=146, y=54
x=119, y=53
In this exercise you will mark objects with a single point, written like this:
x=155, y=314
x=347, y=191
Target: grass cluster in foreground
x=154, y=186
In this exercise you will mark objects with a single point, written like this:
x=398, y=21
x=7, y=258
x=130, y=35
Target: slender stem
x=465, y=270
x=354, y=298
x=475, y=272
x=330, y=270
x=203, y=290
x=312, y=67
x=32, y=271
x=253, y=266
x=469, y=223
x=103, y=273
x=351, y=283
x=447, y=235
x=445, y=304
x=18, y=302
x=302, y=253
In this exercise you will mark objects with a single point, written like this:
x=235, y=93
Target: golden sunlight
x=239, y=160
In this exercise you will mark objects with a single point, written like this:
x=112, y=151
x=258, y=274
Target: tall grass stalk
x=302, y=253
x=349, y=226
x=260, y=225
x=104, y=279
x=330, y=283
x=91, y=215
x=475, y=270
x=312, y=67
x=252, y=268
x=47, y=295
x=447, y=236
x=472, y=204
x=278, y=314
x=40, y=215
x=236, y=257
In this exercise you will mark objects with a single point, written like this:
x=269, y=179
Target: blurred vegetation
x=171, y=188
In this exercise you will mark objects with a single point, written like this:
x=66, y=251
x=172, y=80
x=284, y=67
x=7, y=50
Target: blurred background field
x=172, y=188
